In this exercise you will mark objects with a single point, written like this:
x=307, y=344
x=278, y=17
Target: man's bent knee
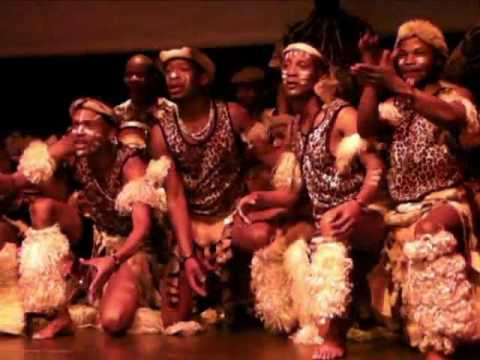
x=114, y=322
x=42, y=212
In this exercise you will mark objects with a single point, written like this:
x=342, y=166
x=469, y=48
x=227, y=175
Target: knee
x=426, y=226
x=262, y=233
x=113, y=322
x=42, y=212
x=252, y=237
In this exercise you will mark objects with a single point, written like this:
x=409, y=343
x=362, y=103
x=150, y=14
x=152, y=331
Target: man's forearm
x=181, y=223
x=141, y=218
x=436, y=110
x=370, y=186
x=276, y=199
x=368, y=119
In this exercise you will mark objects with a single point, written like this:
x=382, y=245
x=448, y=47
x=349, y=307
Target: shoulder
x=163, y=110
x=346, y=120
x=239, y=115
x=455, y=89
x=134, y=168
x=120, y=109
x=236, y=110
x=158, y=144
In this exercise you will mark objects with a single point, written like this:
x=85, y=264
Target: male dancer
x=432, y=223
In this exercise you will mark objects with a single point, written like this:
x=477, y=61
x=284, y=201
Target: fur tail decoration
x=36, y=164
x=271, y=287
x=349, y=148
x=287, y=174
x=42, y=277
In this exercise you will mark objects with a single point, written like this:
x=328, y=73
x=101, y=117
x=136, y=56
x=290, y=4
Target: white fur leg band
x=42, y=277
x=329, y=282
x=429, y=247
x=348, y=149
x=140, y=191
x=36, y=164
x=287, y=174
x=271, y=288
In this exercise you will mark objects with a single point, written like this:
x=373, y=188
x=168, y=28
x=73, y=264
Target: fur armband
x=256, y=134
x=429, y=247
x=157, y=170
x=389, y=113
x=36, y=164
x=349, y=148
x=287, y=174
x=470, y=134
x=140, y=191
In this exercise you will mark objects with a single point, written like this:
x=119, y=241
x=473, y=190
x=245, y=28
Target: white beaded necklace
x=202, y=133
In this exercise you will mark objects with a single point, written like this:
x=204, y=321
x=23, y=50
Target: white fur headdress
x=425, y=31
x=192, y=54
x=301, y=46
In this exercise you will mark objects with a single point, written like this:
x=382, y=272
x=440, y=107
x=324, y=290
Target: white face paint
x=299, y=73
x=415, y=60
x=88, y=132
x=180, y=78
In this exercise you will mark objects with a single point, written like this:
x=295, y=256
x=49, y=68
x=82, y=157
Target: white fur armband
x=36, y=164
x=287, y=174
x=157, y=170
x=140, y=191
x=470, y=134
x=349, y=148
x=256, y=134
x=389, y=113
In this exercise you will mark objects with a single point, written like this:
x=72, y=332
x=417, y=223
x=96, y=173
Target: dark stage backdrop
x=38, y=90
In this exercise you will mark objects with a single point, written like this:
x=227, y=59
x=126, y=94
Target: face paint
x=415, y=60
x=88, y=132
x=299, y=73
x=180, y=78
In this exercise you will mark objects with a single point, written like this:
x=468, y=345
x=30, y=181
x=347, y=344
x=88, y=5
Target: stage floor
x=249, y=344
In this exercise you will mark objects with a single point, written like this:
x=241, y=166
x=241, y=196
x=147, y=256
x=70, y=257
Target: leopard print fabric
x=325, y=186
x=127, y=111
x=210, y=168
x=97, y=200
x=421, y=157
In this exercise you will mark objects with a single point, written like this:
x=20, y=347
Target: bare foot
x=330, y=349
x=62, y=324
x=433, y=355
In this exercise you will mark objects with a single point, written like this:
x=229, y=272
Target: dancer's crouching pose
x=304, y=284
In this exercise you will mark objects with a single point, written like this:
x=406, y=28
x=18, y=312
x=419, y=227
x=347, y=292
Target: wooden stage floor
x=245, y=344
